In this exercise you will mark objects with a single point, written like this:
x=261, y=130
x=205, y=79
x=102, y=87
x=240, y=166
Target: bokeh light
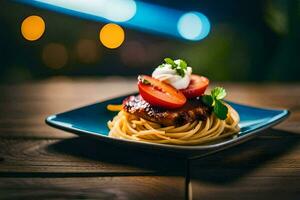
x=33, y=27
x=119, y=10
x=55, y=55
x=141, y=15
x=193, y=26
x=112, y=35
x=113, y=10
x=87, y=50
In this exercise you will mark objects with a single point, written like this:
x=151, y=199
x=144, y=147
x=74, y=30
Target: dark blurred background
x=254, y=40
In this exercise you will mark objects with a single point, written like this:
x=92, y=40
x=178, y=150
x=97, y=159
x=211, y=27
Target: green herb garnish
x=170, y=61
x=179, y=68
x=214, y=100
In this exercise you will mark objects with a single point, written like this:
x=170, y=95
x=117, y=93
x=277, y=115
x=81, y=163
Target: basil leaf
x=182, y=64
x=207, y=100
x=169, y=61
x=218, y=93
x=220, y=110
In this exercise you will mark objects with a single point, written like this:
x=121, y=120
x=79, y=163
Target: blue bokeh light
x=113, y=10
x=193, y=26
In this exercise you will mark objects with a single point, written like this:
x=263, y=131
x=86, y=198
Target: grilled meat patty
x=194, y=109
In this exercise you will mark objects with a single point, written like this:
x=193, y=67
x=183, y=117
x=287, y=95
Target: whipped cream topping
x=166, y=73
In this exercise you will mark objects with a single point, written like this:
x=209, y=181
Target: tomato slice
x=196, y=87
x=158, y=93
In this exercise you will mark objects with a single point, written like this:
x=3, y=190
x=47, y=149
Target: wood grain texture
x=133, y=187
x=81, y=157
x=23, y=108
x=266, y=167
x=37, y=161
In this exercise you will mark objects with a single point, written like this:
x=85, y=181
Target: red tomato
x=196, y=87
x=160, y=94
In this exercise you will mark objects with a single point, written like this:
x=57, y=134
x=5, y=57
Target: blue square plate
x=92, y=120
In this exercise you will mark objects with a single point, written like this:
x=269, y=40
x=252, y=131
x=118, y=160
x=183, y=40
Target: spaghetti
x=128, y=126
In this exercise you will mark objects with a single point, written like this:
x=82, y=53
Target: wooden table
x=37, y=161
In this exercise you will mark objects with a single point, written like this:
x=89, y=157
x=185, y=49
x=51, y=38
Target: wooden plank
x=249, y=188
x=81, y=156
x=262, y=168
x=58, y=90
x=133, y=187
x=38, y=100
x=23, y=108
x=266, y=167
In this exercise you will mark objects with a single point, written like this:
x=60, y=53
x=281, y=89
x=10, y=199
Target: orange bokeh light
x=33, y=27
x=112, y=35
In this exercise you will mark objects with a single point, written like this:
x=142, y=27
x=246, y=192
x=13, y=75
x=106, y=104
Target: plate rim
x=284, y=113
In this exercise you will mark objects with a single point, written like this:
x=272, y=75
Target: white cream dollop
x=169, y=75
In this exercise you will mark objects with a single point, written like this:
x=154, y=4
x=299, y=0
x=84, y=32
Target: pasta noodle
x=128, y=126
